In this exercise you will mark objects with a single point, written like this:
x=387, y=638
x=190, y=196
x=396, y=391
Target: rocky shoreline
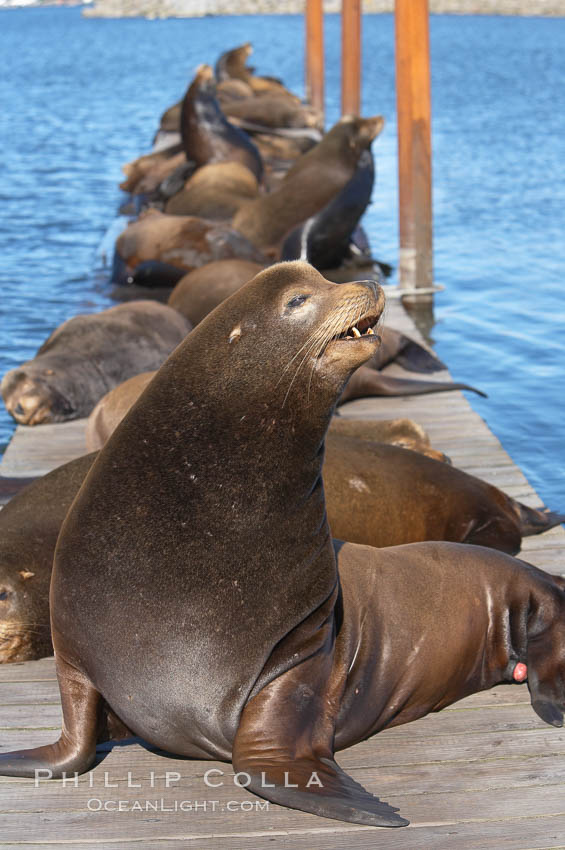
x=200, y=8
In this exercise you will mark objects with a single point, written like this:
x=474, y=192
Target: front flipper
x=75, y=750
x=284, y=743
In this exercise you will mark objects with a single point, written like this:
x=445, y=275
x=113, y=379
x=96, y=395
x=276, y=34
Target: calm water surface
x=80, y=97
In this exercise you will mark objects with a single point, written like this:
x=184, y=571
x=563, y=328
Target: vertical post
x=351, y=57
x=315, y=53
x=413, y=93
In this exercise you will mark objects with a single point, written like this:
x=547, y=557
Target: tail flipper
x=368, y=382
x=533, y=521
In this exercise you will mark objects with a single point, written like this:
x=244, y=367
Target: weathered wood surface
x=485, y=773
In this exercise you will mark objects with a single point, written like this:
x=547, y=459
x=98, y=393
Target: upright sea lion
x=232, y=65
x=207, y=135
x=88, y=355
x=247, y=646
x=313, y=181
x=200, y=291
x=324, y=240
x=29, y=526
x=184, y=241
x=215, y=192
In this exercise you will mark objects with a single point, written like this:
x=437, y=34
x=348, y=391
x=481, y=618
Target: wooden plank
x=510, y=806
x=34, y=451
x=520, y=834
x=29, y=671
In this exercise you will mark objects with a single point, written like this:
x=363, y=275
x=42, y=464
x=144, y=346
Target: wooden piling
x=351, y=57
x=315, y=53
x=413, y=91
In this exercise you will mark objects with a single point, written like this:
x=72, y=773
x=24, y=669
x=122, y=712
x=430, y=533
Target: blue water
x=81, y=96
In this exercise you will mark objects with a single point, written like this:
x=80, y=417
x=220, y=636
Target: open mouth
x=362, y=328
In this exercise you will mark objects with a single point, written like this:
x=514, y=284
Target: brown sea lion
x=146, y=173
x=404, y=433
x=232, y=65
x=200, y=291
x=383, y=495
x=170, y=119
x=379, y=494
x=232, y=89
x=314, y=180
x=249, y=646
x=183, y=241
x=29, y=526
x=273, y=111
x=215, y=192
x=88, y=355
x=207, y=135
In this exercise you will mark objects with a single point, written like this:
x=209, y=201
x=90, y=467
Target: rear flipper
x=284, y=745
x=533, y=521
x=75, y=750
x=368, y=382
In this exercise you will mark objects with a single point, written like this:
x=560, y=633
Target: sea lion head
x=232, y=63
x=289, y=336
x=355, y=134
x=545, y=656
x=32, y=394
x=24, y=609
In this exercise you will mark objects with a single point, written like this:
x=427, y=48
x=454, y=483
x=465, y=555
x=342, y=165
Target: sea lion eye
x=297, y=300
x=3, y=595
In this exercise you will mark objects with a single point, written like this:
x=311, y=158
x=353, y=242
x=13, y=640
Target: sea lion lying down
x=242, y=640
x=88, y=355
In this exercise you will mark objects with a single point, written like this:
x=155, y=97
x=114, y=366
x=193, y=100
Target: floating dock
x=484, y=773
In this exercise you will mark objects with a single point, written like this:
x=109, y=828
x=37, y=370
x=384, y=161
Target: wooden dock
x=484, y=773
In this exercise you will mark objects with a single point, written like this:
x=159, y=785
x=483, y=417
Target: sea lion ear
x=546, y=675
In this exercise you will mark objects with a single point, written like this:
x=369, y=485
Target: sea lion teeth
x=370, y=332
x=355, y=331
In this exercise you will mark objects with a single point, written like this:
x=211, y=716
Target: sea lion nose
x=19, y=409
x=372, y=285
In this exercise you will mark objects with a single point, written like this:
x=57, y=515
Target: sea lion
x=232, y=89
x=225, y=490
x=88, y=355
x=29, y=526
x=200, y=291
x=379, y=494
x=404, y=433
x=170, y=119
x=313, y=181
x=272, y=111
x=383, y=495
x=232, y=65
x=324, y=240
x=146, y=173
x=184, y=241
x=207, y=135
x=215, y=192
